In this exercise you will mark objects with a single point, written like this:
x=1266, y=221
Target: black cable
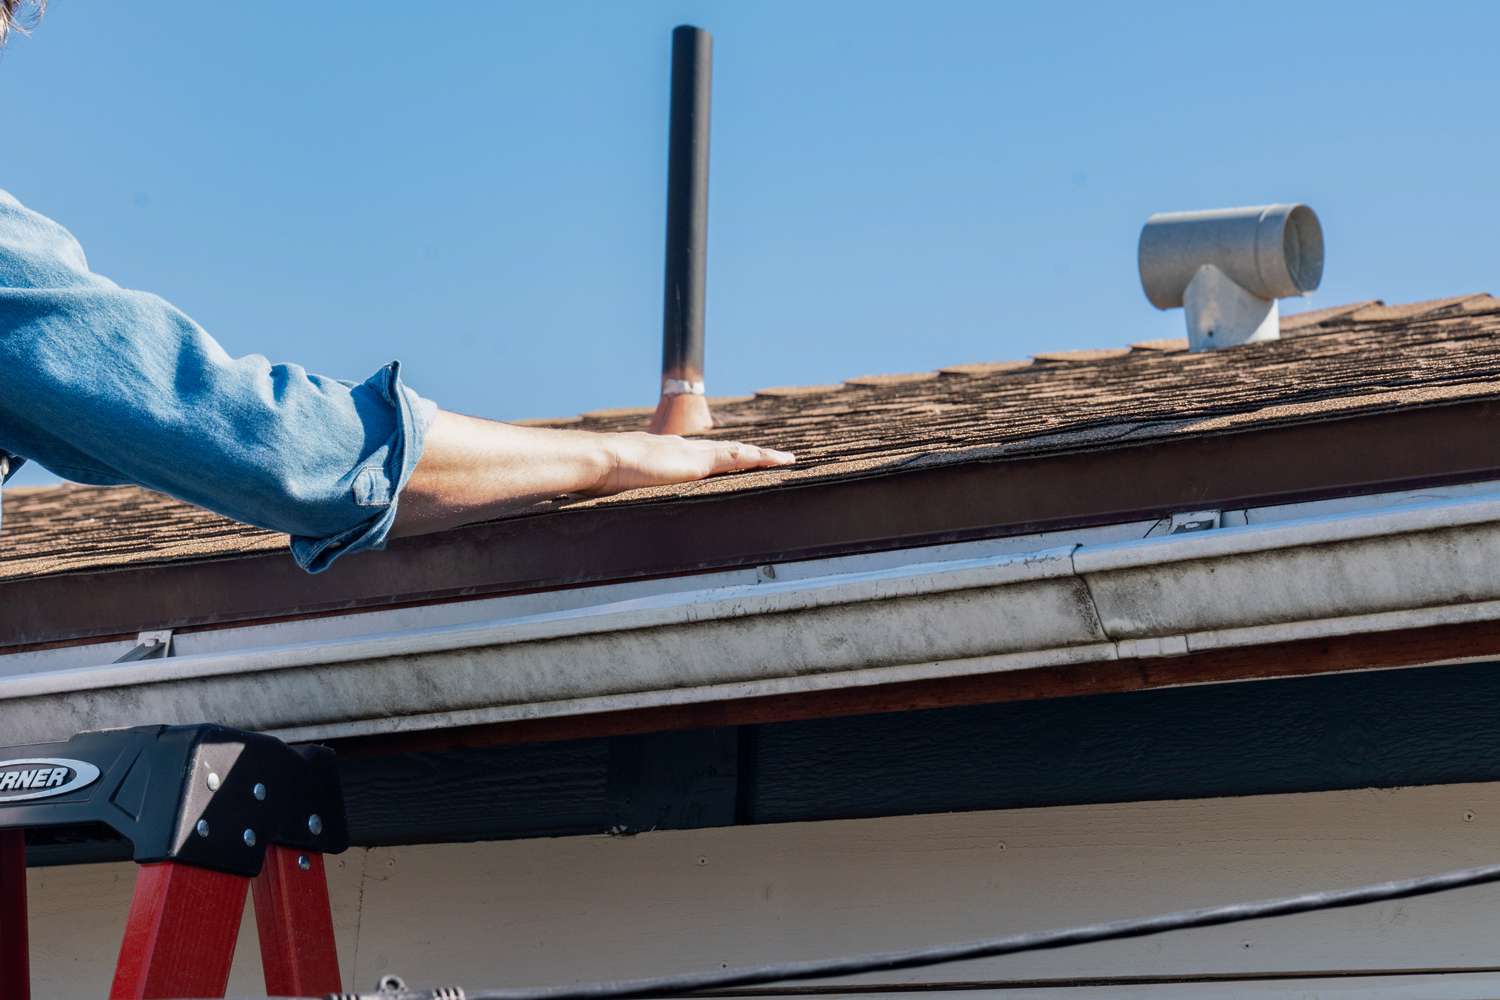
x=1014, y=944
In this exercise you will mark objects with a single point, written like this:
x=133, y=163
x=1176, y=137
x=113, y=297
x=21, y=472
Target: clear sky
x=477, y=188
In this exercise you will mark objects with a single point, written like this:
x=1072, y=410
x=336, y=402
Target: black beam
x=1378, y=729
x=1417, y=726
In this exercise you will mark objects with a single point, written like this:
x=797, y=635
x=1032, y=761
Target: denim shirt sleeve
x=105, y=385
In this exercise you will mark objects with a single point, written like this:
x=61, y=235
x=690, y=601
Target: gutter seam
x=1093, y=601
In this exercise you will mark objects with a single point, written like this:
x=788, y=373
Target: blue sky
x=477, y=188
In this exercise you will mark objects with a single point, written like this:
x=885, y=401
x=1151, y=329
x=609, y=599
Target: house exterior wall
x=567, y=909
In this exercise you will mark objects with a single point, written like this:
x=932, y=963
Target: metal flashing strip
x=1424, y=563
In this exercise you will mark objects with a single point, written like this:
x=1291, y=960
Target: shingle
x=985, y=367
x=788, y=391
x=1169, y=345
x=57, y=529
x=1083, y=355
x=547, y=421
x=906, y=378
x=634, y=412
x=1310, y=318
x=1358, y=358
x=1380, y=313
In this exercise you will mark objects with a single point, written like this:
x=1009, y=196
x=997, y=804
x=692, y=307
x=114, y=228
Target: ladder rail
x=213, y=815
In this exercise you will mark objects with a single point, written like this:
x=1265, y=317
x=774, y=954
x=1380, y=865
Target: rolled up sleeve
x=106, y=385
x=380, y=477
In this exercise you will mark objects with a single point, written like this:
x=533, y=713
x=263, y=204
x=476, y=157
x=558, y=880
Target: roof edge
x=917, y=505
x=1179, y=595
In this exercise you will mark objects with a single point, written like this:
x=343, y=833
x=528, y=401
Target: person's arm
x=473, y=470
x=105, y=385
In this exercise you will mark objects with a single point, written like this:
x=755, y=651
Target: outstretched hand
x=472, y=469
x=638, y=459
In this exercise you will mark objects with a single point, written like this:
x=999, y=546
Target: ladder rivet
x=202, y=828
x=213, y=781
x=249, y=836
x=303, y=863
x=259, y=791
x=315, y=824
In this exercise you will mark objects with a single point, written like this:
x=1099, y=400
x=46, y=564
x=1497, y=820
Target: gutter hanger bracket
x=1195, y=520
x=150, y=646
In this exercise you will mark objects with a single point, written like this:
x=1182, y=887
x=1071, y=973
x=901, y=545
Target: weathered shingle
x=1349, y=359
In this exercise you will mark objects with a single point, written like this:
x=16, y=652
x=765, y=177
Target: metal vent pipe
x=1227, y=268
x=682, y=408
x=1273, y=251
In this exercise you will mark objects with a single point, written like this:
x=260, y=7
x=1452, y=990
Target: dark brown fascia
x=1286, y=462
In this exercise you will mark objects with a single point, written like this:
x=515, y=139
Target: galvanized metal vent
x=1227, y=267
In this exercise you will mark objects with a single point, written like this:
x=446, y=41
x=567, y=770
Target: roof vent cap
x=1227, y=267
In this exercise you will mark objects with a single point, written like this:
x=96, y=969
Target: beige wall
x=560, y=910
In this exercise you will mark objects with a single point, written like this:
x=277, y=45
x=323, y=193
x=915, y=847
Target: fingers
x=732, y=456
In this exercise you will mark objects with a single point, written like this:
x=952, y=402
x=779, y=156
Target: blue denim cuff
x=380, y=480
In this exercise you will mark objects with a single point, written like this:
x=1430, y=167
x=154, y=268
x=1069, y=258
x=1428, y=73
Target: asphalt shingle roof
x=1330, y=362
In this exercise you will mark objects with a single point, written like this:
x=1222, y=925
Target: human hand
x=638, y=459
x=473, y=469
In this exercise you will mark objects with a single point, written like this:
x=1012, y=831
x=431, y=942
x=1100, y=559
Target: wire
x=1014, y=944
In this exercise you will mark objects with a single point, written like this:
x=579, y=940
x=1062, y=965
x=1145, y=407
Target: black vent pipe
x=682, y=409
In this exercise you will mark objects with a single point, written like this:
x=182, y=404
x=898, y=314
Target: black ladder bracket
x=204, y=795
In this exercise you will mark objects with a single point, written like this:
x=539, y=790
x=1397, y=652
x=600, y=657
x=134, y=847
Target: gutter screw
x=213, y=781
x=259, y=791
x=315, y=824
x=303, y=863
x=202, y=828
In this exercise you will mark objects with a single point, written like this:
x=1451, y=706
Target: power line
x=1013, y=944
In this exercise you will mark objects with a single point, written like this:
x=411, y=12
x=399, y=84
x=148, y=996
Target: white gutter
x=1404, y=567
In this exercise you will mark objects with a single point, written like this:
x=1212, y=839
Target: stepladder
x=211, y=815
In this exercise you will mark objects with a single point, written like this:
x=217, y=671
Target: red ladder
x=185, y=914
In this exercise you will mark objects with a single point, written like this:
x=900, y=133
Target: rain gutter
x=1413, y=566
